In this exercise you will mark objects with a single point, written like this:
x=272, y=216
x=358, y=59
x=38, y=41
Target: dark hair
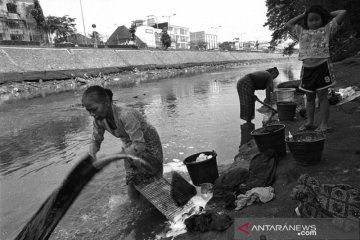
x=101, y=92
x=325, y=15
x=273, y=70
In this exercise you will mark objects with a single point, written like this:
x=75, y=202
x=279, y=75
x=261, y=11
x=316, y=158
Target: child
x=246, y=87
x=316, y=74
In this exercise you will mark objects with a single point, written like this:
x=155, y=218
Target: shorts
x=317, y=78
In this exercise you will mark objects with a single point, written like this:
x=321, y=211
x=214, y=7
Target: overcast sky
x=237, y=18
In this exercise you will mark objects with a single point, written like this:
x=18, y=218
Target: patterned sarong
x=246, y=90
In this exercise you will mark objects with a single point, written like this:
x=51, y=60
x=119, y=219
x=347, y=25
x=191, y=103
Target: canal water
x=41, y=139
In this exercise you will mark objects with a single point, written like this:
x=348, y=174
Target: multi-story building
x=149, y=31
x=180, y=37
x=201, y=36
x=16, y=21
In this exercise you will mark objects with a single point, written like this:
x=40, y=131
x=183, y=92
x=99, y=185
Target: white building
x=149, y=35
x=201, y=36
x=180, y=37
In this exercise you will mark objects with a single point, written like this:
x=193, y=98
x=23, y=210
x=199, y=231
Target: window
x=1, y=36
x=11, y=7
x=13, y=24
x=16, y=36
x=182, y=39
x=182, y=31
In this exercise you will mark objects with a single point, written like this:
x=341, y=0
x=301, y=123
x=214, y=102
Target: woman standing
x=138, y=136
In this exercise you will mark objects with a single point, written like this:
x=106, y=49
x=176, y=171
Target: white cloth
x=257, y=194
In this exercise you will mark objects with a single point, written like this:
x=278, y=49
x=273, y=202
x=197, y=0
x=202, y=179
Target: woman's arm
x=292, y=22
x=96, y=140
x=339, y=15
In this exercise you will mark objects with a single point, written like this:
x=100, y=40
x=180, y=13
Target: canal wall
x=22, y=63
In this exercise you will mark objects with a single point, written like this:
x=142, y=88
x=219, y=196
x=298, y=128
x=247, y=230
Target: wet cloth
x=340, y=201
x=258, y=194
x=181, y=190
x=262, y=171
x=208, y=222
x=237, y=180
x=44, y=221
x=224, y=188
x=315, y=43
x=317, y=78
x=135, y=132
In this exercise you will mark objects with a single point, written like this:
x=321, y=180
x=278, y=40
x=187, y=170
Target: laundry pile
x=238, y=181
x=338, y=201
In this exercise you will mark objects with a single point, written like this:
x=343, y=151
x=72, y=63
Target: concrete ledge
x=27, y=63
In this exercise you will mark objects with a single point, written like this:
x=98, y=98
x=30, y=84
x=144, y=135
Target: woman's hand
x=103, y=161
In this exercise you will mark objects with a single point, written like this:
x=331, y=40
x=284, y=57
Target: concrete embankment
x=20, y=63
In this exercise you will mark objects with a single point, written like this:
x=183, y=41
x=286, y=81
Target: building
x=16, y=21
x=78, y=38
x=180, y=36
x=149, y=35
x=122, y=36
x=210, y=39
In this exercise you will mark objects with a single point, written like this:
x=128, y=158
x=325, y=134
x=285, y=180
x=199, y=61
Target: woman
x=139, y=137
x=246, y=87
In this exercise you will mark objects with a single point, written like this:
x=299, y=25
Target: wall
x=22, y=63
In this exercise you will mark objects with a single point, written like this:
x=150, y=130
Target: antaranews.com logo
x=301, y=230
x=293, y=228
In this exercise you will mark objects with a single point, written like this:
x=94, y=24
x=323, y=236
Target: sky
x=236, y=18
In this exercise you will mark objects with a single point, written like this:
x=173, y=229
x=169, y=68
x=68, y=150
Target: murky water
x=41, y=140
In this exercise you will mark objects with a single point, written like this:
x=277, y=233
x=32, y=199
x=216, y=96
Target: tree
x=226, y=46
x=62, y=27
x=281, y=11
x=39, y=17
x=132, y=30
x=165, y=39
x=289, y=50
x=198, y=45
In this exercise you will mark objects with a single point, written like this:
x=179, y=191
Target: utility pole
x=82, y=15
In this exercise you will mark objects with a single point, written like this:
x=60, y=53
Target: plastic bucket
x=286, y=111
x=204, y=171
x=285, y=94
x=272, y=136
x=306, y=148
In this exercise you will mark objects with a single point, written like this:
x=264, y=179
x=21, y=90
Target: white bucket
x=285, y=94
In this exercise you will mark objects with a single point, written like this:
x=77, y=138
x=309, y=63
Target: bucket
x=285, y=94
x=271, y=136
x=306, y=148
x=286, y=111
x=205, y=171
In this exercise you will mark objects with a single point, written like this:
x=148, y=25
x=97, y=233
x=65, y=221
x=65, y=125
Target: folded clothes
x=257, y=194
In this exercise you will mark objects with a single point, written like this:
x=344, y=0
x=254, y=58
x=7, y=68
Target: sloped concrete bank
x=29, y=64
x=26, y=73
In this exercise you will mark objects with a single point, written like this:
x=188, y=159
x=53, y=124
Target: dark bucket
x=286, y=111
x=204, y=171
x=271, y=136
x=306, y=148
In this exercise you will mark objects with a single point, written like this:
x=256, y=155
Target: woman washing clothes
x=246, y=87
x=138, y=136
